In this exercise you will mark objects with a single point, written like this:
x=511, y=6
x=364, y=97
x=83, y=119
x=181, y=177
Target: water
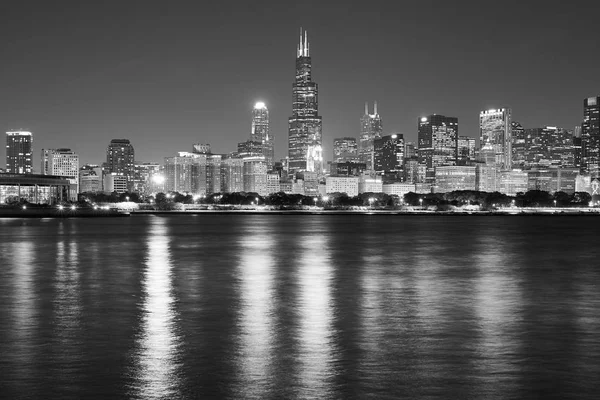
x=300, y=306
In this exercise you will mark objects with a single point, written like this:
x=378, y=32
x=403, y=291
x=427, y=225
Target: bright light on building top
x=260, y=106
x=424, y=119
x=18, y=133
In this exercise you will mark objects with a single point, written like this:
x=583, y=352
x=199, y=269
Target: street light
x=326, y=199
x=126, y=198
x=371, y=200
x=555, y=203
x=421, y=202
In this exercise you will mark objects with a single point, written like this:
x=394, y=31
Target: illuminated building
x=18, y=152
x=342, y=184
x=553, y=180
x=466, y=150
x=398, y=189
x=454, y=177
x=438, y=142
x=37, y=189
x=273, y=179
x=193, y=173
x=144, y=181
x=577, y=151
x=347, y=168
x=590, y=136
x=370, y=183
x=371, y=128
x=114, y=182
x=260, y=132
x=486, y=178
x=120, y=160
x=305, y=125
x=512, y=182
x=249, y=148
x=548, y=146
x=495, y=128
x=345, y=150
x=255, y=175
x=414, y=172
x=232, y=175
x=62, y=162
x=410, y=150
x=388, y=153
x=520, y=145
x=310, y=182
x=90, y=179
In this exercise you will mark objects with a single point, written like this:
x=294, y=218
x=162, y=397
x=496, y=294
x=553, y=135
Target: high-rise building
x=495, y=128
x=577, y=151
x=250, y=148
x=62, y=162
x=453, y=178
x=389, y=153
x=410, y=150
x=519, y=145
x=90, y=179
x=120, y=160
x=18, y=152
x=345, y=149
x=144, y=178
x=590, y=136
x=305, y=125
x=438, y=142
x=232, y=175
x=260, y=132
x=466, y=150
x=255, y=175
x=371, y=128
x=547, y=146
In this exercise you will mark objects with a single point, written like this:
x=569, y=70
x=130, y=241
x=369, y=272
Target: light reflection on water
x=156, y=359
x=303, y=306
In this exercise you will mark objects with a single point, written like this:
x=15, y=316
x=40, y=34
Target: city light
x=24, y=207
x=158, y=179
x=60, y=207
x=73, y=207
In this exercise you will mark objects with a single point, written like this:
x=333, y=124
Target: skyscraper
x=260, y=132
x=120, y=160
x=62, y=162
x=495, y=128
x=371, y=128
x=590, y=136
x=466, y=150
x=519, y=145
x=438, y=142
x=18, y=152
x=345, y=149
x=305, y=125
x=389, y=153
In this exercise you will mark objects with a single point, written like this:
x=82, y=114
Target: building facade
x=466, y=150
x=388, y=153
x=19, y=145
x=495, y=128
x=120, y=160
x=342, y=184
x=62, y=162
x=305, y=149
x=255, y=175
x=455, y=177
x=438, y=142
x=590, y=136
x=371, y=128
x=345, y=149
x=260, y=132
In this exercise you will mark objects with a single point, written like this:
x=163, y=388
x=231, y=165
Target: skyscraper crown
x=303, y=49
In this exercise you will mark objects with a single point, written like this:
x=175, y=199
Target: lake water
x=300, y=306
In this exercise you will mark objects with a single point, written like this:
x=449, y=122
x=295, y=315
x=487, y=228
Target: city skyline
x=65, y=104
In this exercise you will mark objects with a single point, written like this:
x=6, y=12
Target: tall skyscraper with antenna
x=305, y=149
x=371, y=128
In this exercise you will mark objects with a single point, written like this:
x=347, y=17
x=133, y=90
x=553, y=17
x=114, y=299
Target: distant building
x=371, y=128
x=388, y=153
x=553, y=180
x=410, y=150
x=370, y=184
x=255, y=175
x=345, y=149
x=466, y=150
x=37, y=189
x=438, y=142
x=520, y=145
x=62, y=162
x=495, y=128
x=144, y=179
x=414, y=171
x=512, y=182
x=273, y=180
x=260, y=132
x=304, y=136
x=232, y=175
x=115, y=183
x=453, y=178
x=342, y=184
x=90, y=180
x=486, y=178
x=399, y=189
x=120, y=160
x=347, y=169
x=19, y=146
x=590, y=136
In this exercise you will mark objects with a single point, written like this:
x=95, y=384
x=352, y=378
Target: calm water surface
x=300, y=306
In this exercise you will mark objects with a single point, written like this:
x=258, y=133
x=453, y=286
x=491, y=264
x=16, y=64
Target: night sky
x=165, y=76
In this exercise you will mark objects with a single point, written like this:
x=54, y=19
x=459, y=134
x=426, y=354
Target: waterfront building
x=370, y=184
x=454, y=177
x=347, y=168
x=120, y=160
x=286, y=186
x=398, y=189
x=181, y=172
x=438, y=142
x=466, y=150
x=90, y=179
x=423, y=188
x=33, y=188
x=512, y=182
x=260, y=132
x=113, y=182
x=590, y=136
x=553, y=180
x=310, y=182
x=485, y=178
x=232, y=175
x=19, y=146
x=371, y=128
x=62, y=162
x=345, y=149
x=388, y=153
x=144, y=178
x=342, y=184
x=583, y=183
x=305, y=150
x=273, y=180
x=255, y=175
x=495, y=128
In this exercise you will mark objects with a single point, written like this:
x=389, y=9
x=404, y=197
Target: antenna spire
x=375, y=108
x=366, y=107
